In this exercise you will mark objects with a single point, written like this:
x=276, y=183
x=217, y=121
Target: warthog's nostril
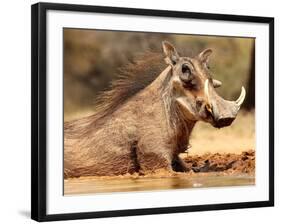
x=223, y=122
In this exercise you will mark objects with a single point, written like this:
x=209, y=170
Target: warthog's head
x=194, y=89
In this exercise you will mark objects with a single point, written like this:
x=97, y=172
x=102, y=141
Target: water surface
x=93, y=185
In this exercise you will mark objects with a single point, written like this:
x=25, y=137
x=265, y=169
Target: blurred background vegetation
x=92, y=59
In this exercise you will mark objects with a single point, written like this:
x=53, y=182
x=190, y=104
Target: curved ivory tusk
x=206, y=92
x=216, y=83
x=241, y=98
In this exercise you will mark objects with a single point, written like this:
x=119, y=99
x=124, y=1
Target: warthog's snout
x=223, y=112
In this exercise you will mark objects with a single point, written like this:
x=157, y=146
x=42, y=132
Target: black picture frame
x=38, y=108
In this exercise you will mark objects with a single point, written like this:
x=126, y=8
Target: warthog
x=144, y=122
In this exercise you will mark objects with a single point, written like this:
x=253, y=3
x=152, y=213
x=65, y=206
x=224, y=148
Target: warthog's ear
x=204, y=55
x=170, y=52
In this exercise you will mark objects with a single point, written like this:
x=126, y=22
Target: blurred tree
x=250, y=100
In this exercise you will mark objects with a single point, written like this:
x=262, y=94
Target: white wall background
x=15, y=110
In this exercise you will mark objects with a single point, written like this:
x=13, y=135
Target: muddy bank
x=203, y=165
x=227, y=163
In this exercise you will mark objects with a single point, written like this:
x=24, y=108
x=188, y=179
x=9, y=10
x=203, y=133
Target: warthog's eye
x=187, y=77
x=186, y=73
x=185, y=69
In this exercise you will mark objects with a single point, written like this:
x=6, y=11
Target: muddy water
x=100, y=185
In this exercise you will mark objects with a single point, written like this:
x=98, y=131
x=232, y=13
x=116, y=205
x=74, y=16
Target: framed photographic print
x=138, y=111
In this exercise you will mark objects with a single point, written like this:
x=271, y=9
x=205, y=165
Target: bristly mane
x=131, y=79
